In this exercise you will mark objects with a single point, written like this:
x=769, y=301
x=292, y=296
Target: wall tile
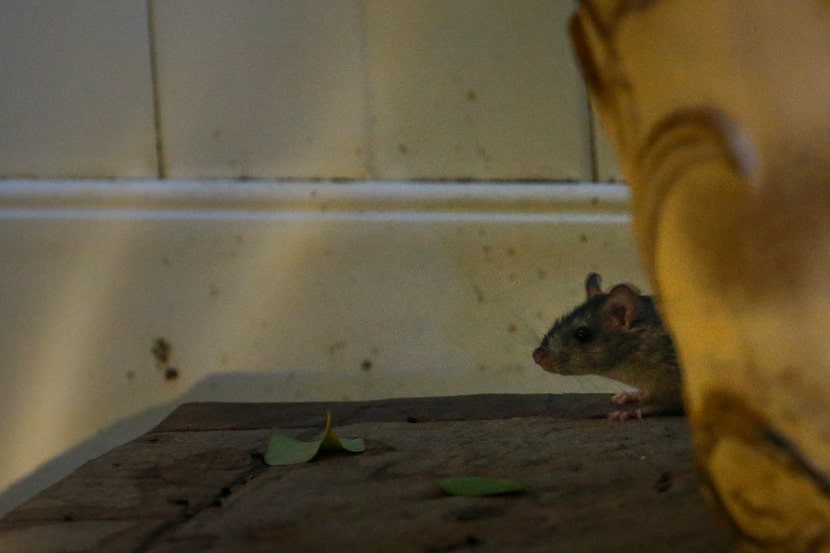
x=262, y=88
x=75, y=92
x=481, y=89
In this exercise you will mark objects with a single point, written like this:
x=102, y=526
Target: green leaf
x=285, y=450
x=478, y=486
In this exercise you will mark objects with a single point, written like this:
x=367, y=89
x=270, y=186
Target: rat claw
x=626, y=415
x=625, y=399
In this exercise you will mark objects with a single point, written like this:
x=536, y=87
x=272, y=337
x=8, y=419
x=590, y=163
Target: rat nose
x=539, y=356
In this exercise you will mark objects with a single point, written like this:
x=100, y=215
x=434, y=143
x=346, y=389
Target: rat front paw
x=623, y=398
x=625, y=401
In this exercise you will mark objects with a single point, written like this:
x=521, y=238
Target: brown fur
x=619, y=335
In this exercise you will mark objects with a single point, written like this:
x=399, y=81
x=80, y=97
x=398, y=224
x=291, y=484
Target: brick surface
x=198, y=483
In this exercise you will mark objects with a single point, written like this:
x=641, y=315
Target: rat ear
x=623, y=305
x=592, y=285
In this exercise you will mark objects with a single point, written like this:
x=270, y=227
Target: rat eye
x=582, y=334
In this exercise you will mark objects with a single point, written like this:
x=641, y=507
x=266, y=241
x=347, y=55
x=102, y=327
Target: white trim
x=259, y=196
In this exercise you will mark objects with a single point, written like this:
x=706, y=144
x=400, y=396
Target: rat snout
x=542, y=357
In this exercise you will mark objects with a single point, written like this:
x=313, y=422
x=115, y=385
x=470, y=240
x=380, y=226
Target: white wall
x=116, y=116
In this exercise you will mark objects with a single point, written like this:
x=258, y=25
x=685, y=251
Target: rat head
x=597, y=335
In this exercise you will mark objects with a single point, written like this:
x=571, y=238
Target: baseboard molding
x=441, y=200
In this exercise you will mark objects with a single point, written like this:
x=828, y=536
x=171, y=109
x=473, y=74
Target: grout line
x=161, y=169
x=592, y=140
x=368, y=125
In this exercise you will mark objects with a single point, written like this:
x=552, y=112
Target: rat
x=620, y=335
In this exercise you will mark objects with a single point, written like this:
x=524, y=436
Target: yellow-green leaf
x=479, y=486
x=285, y=450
